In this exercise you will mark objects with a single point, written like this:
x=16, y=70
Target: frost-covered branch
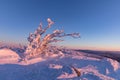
x=38, y=43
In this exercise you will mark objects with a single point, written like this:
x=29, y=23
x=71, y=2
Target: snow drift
x=58, y=67
x=8, y=56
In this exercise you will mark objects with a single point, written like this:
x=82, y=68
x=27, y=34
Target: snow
x=32, y=61
x=58, y=67
x=8, y=56
x=107, y=71
x=67, y=75
x=114, y=63
x=86, y=70
x=54, y=66
x=94, y=71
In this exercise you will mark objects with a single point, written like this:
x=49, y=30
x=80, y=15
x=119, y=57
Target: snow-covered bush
x=39, y=44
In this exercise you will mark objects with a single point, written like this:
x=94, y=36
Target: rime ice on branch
x=39, y=44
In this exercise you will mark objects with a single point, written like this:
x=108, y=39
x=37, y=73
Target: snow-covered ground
x=8, y=56
x=58, y=67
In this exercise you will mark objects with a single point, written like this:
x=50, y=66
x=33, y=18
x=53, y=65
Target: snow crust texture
x=58, y=67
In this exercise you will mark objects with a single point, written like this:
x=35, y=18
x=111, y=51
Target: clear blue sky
x=98, y=21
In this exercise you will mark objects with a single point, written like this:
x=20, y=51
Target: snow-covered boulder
x=8, y=56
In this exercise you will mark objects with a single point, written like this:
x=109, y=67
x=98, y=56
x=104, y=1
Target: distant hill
x=109, y=54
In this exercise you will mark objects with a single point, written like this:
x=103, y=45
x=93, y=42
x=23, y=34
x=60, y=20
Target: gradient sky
x=98, y=21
